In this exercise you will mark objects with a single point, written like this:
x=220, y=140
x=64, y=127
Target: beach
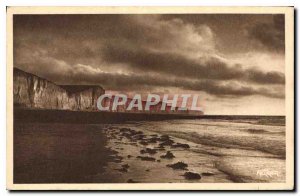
x=179, y=150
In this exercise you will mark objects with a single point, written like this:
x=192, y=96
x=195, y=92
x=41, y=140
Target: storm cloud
x=210, y=68
x=126, y=52
x=270, y=35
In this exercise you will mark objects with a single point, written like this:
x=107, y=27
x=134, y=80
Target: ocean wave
x=267, y=145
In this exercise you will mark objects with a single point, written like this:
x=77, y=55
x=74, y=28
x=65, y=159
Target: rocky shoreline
x=142, y=156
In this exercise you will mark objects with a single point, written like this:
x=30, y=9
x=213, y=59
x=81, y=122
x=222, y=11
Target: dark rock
x=131, y=181
x=167, y=143
x=124, y=129
x=168, y=155
x=180, y=145
x=146, y=158
x=161, y=148
x=207, y=174
x=125, y=166
x=178, y=165
x=129, y=156
x=192, y=176
x=128, y=136
x=147, y=170
x=149, y=151
x=257, y=131
x=152, y=140
x=144, y=143
x=164, y=137
x=139, y=137
x=134, y=132
x=129, y=133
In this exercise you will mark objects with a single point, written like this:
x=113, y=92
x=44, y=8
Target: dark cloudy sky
x=235, y=63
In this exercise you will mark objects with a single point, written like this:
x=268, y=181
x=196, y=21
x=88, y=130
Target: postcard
x=150, y=98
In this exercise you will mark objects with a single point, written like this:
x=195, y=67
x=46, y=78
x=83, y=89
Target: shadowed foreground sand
x=58, y=153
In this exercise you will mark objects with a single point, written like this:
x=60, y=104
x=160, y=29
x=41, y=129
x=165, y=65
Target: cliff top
x=78, y=88
x=68, y=88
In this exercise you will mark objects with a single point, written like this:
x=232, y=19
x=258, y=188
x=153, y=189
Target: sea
x=245, y=148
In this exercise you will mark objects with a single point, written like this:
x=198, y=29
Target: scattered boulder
x=131, y=181
x=146, y=158
x=160, y=148
x=144, y=143
x=130, y=133
x=168, y=155
x=207, y=174
x=167, y=143
x=164, y=137
x=129, y=156
x=180, y=145
x=257, y=131
x=139, y=137
x=192, y=176
x=149, y=151
x=178, y=165
x=125, y=166
x=152, y=140
x=139, y=132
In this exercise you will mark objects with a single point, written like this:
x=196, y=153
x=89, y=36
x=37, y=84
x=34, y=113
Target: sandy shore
x=65, y=153
x=144, y=156
x=128, y=153
x=58, y=153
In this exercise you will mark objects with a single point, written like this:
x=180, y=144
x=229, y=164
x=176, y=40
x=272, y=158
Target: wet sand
x=65, y=153
x=58, y=153
x=150, y=158
x=131, y=153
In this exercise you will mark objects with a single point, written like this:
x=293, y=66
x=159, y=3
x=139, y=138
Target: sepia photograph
x=173, y=98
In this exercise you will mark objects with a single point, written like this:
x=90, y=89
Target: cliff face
x=84, y=97
x=31, y=91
